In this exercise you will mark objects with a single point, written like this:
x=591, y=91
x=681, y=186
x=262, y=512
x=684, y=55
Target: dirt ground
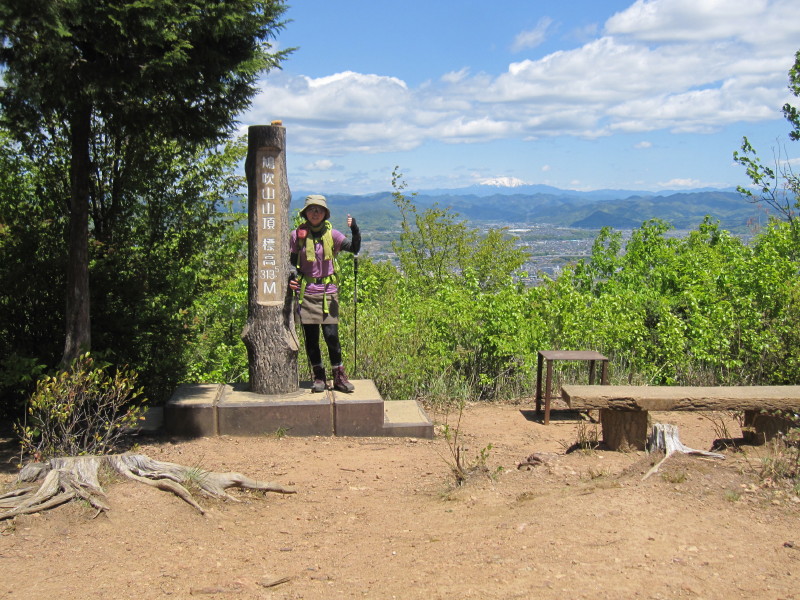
x=381, y=518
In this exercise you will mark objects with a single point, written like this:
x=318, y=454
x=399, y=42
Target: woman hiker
x=313, y=247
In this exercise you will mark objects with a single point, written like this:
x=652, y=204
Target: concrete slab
x=359, y=413
x=191, y=411
x=197, y=410
x=406, y=418
x=241, y=412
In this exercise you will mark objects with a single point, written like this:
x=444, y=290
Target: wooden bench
x=624, y=408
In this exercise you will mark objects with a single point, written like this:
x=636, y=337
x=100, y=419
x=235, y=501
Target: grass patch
x=675, y=476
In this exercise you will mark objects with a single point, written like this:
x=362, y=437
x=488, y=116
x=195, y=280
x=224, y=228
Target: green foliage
x=436, y=245
x=107, y=91
x=83, y=410
x=790, y=112
x=704, y=309
x=214, y=349
x=171, y=282
x=171, y=66
x=32, y=229
x=436, y=313
x=168, y=265
x=449, y=320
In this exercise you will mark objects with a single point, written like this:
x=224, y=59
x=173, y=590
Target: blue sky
x=585, y=94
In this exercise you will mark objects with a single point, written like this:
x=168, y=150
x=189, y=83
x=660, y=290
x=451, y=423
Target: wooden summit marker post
x=269, y=334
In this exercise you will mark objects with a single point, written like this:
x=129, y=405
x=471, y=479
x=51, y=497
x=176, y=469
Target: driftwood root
x=76, y=477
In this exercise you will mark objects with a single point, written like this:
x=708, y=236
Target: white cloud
x=673, y=65
x=533, y=37
x=461, y=129
x=456, y=76
x=705, y=23
x=687, y=20
x=643, y=145
x=680, y=183
x=585, y=33
x=546, y=168
x=320, y=165
x=327, y=101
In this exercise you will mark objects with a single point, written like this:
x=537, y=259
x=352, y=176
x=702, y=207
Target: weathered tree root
x=76, y=477
x=664, y=437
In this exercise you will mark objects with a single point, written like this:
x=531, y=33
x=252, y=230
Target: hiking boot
x=340, y=381
x=320, y=383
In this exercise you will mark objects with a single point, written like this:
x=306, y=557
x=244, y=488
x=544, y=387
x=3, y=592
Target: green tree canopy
x=174, y=70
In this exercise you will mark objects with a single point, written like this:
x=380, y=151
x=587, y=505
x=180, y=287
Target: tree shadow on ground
x=559, y=415
x=9, y=450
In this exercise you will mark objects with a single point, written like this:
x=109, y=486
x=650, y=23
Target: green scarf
x=327, y=241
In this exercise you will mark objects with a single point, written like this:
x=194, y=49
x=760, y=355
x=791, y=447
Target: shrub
x=83, y=410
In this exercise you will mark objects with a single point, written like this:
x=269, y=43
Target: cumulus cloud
x=672, y=65
x=687, y=20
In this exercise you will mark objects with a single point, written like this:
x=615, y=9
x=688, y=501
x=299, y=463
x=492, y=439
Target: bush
x=80, y=411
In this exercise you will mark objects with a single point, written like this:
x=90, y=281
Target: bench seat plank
x=666, y=398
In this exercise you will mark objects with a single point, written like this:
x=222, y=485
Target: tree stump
x=269, y=334
x=76, y=477
x=759, y=428
x=624, y=429
x=664, y=438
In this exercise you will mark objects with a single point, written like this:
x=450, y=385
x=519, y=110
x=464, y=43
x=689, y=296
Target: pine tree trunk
x=78, y=323
x=269, y=334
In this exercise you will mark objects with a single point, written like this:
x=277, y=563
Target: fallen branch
x=76, y=477
x=664, y=437
x=274, y=582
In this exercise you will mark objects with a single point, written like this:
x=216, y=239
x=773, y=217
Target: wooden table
x=549, y=356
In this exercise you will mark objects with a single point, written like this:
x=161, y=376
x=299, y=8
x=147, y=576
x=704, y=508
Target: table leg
x=591, y=372
x=539, y=385
x=548, y=392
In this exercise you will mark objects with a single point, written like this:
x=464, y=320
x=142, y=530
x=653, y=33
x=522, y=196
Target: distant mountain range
x=545, y=205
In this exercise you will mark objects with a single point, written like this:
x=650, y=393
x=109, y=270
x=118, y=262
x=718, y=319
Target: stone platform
x=197, y=410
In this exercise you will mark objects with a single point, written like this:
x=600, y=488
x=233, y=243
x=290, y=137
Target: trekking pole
x=355, y=313
x=298, y=323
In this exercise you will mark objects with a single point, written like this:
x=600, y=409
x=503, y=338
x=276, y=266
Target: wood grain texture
x=624, y=397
